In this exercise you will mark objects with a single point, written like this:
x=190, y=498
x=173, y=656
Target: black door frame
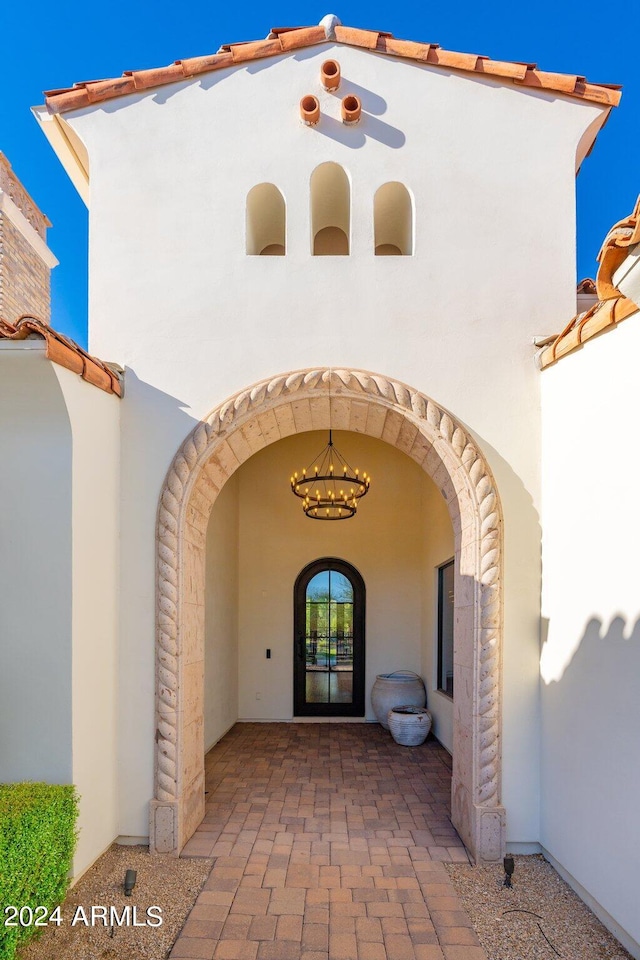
x=300, y=707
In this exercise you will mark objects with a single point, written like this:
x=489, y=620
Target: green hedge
x=37, y=840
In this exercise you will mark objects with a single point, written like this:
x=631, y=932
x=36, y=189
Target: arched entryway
x=405, y=418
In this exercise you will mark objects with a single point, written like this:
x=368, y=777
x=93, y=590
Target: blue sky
x=52, y=45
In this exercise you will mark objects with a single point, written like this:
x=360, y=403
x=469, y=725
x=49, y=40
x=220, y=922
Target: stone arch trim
x=415, y=424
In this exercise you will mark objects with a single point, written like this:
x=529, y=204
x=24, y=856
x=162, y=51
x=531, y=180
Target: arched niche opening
x=266, y=221
x=330, y=211
x=393, y=221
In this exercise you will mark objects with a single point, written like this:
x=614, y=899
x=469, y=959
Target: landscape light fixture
x=129, y=882
x=509, y=867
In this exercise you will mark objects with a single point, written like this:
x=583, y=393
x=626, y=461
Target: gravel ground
x=167, y=882
x=563, y=926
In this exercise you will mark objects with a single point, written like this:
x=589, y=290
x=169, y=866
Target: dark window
x=445, y=628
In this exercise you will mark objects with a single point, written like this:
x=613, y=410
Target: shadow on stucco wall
x=591, y=766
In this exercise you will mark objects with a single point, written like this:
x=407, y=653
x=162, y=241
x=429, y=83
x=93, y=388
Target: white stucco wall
x=59, y=484
x=95, y=437
x=221, y=616
x=590, y=660
x=35, y=569
x=491, y=171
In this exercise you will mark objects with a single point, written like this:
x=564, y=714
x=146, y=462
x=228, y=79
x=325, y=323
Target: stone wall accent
x=10, y=185
x=25, y=286
x=244, y=424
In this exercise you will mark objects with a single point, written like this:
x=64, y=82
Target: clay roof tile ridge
x=330, y=29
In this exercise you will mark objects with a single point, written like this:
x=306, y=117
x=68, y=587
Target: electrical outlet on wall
x=258, y=696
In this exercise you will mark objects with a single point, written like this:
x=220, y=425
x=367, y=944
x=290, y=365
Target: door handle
x=301, y=648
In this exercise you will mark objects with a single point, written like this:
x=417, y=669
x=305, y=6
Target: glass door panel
x=325, y=660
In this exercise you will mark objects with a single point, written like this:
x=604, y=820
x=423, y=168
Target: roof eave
x=65, y=352
x=67, y=147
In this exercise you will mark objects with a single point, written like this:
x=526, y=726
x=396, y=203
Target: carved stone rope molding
x=463, y=459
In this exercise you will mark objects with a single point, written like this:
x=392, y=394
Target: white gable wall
x=175, y=298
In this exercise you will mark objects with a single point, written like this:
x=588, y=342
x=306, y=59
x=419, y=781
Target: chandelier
x=329, y=487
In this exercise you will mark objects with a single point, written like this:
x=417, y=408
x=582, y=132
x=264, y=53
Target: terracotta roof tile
x=562, y=82
x=587, y=286
x=623, y=234
x=357, y=38
x=72, y=98
x=499, y=68
x=283, y=39
x=454, y=60
x=276, y=31
x=612, y=305
x=256, y=50
x=196, y=65
x=158, y=77
x=404, y=48
x=304, y=37
x=603, y=315
x=66, y=352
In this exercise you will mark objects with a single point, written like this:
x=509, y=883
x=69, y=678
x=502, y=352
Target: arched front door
x=328, y=672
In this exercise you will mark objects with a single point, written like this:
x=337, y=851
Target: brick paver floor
x=329, y=842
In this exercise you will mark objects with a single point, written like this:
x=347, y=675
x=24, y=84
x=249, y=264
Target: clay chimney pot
x=330, y=75
x=351, y=109
x=310, y=110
